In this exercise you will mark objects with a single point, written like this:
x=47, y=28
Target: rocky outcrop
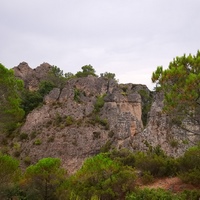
x=160, y=132
x=88, y=131
x=32, y=77
x=69, y=127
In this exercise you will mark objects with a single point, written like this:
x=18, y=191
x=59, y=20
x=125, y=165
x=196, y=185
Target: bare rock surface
x=68, y=127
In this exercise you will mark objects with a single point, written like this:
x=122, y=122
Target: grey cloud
x=122, y=36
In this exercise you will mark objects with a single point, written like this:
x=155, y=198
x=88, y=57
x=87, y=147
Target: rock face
x=31, y=77
x=160, y=132
x=70, y=127
x=88, y=130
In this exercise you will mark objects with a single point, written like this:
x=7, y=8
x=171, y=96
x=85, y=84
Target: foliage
x=103, y=178
x=161, y=194
x=77, y=94
x=123, y=156
x=190, y=165
x=108, y=75
x=69, y=75
x=107, y=176
x=30, y=100
x=45, y=87
x=106, y=147
x=43, y=178
x=86, y=71
x=180, y=84
x=10, y=88
x=146, y=104
x=99, y=103
x=102, y=121
x=37, y=142
x=56, y=77
x=69, y=120
x=157, y=163
x=147, y=177
x=9, y=173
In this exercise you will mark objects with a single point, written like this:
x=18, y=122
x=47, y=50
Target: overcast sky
x=127, y=37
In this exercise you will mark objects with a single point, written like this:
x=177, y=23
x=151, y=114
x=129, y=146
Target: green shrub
x=45, y=87
x=77, y=94
x=106, y=147
x=123, y=156
x=102, y=178
x=146, y=104
x=191, y=159
x=31, y=100
x=58, y=119
x=158, y=165
x=192, y=176
x=99, y=103
x=147, y=177
x=37, y=142
x=69, y=120
x=153, y=194
x=190, y=165
x=190, y=195
x=96, y=119
x=174, y=143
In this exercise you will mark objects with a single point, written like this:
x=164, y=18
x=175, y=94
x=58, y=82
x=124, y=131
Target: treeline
x=109, y=176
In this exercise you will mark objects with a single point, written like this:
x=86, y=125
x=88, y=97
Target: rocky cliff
x=72, y=126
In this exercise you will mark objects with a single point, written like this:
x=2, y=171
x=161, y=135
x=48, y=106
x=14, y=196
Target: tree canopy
x=86, y=71
x=102, y=178
x=10, y=88
x=180, y=84
x=9, y=170
x=45, y=177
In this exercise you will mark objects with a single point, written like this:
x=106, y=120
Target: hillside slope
x=72, y=124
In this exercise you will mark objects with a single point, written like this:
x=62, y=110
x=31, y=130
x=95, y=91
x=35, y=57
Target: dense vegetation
x=111, y=175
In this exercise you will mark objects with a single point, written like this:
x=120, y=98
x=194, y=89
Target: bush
x=106, y=147
x=77, y=94
x=69, y=120
x=190, y=165
x=31, y=100
x=38, y=142
x=156, y=163
x=153, y=194
x=99, y=103
x=96, y=119
x=102, y=178
x=123, y=156
x=192, y=176
x=147, y=177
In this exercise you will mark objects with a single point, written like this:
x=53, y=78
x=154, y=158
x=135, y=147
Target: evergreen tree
x=180, y=84
x=10, y=110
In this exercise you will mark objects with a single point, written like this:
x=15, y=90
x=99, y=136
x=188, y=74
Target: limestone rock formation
x=69, y=127
x=31, y=77
x=88, y=131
